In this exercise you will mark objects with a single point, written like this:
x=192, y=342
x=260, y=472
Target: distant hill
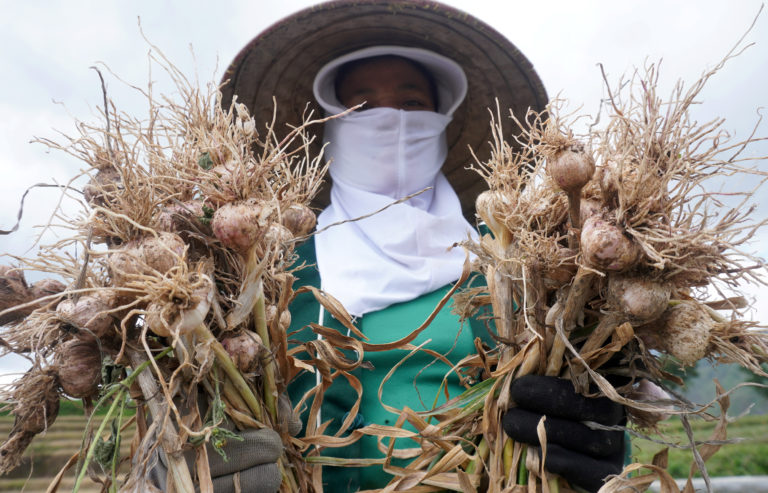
x=700, y=388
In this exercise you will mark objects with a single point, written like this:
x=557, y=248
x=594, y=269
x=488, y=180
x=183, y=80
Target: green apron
x=417, y=383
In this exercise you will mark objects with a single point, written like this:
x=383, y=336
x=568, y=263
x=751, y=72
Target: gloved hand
x=254, y=458
x=579, y=454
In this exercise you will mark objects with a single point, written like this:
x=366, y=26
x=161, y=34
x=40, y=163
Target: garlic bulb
x=168, y=319
x=299, y=219
x=13, y=292
x=177, y=218
x=641, y=299
x=605, y=246
x=106, y=182
x=78, y=364
x=246, y=350
x=489, y=204
x=571, y=168
x=685, y=331
x=89, y=312
x=238, y=225
x=284, y=321
x=147, y=256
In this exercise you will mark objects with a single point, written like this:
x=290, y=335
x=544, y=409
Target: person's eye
x=414, y=103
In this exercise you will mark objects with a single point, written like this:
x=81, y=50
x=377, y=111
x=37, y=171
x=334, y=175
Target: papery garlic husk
x=277, y=234
x=648, y=392
x=90, y=312
x=40, y=412
x=589, y=208
x=167, y=318
x=78, y=365
x=284, y=321
x=640, y=299
x=299, y=219
x=684, y=331
x=183, y=217
x=238, y=225
x=13, y=292
x=246, y=350
x=489, y=204
x=42, y=289
x=571, y=168
x=607, y=175
x=626, y=177
x=162, y=252
x=146, y=256
x=47, y=287
x=605, y=246
x=36, y=407
x=106, y=182
x=125, y=262
x=230, y=178
x=561, y=273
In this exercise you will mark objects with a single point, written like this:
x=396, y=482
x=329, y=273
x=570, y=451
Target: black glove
x=579, y=454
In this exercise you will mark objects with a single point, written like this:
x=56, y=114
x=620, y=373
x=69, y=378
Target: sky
x=48, y=50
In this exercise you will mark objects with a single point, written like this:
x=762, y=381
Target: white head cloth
x=377, y=157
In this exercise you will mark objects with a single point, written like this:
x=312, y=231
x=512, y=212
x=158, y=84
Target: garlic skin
x=246, y=350
x=230, y=177
x=284, y=321
x=162, y=252
x=89, y=312
x=147, y=256
x=571, y=168
x=488, y=204
x=47, y=287
x=106, y=182
x=640, y=299
x=648, y=392
x=604, y=246
x=168, y=319
x=78, y=365
x=277, y=234
x=589, y=208
x=685, y=331
x=561, y=273
x=36, y=418
x=176, y=218
x=13, y=291
x=238, y=225
x=299, y=219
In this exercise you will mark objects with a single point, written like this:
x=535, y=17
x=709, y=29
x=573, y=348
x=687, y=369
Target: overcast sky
x=46, y=82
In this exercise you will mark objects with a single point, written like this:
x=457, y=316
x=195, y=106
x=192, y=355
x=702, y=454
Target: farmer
x=425, y=76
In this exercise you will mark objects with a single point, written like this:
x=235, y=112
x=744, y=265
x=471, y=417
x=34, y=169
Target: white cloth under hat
x=379, y=156
x=450, y=80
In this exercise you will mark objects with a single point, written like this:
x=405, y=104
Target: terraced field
x=48, y=454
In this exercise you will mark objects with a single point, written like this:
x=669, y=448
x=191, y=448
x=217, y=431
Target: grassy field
x=747, y=457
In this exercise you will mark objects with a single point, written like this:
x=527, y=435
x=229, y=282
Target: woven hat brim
x=282, y=61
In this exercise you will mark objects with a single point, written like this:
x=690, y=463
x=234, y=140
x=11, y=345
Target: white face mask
x=385, y=151
x=379, y=156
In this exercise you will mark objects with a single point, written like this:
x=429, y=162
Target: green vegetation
x=747, y=457
x=75, y=408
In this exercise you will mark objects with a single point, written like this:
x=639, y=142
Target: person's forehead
x=383, y=65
